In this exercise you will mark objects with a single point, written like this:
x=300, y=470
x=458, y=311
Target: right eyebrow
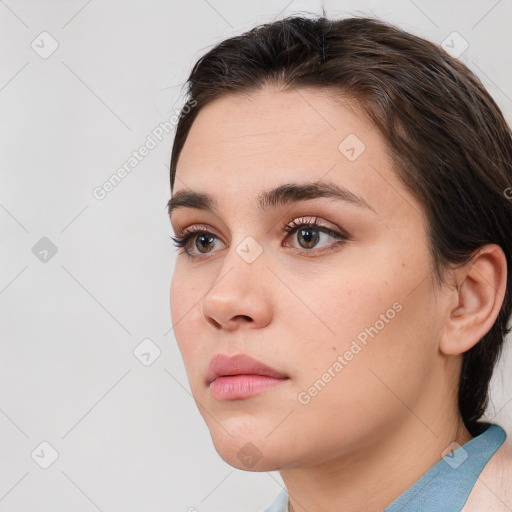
x=279, y=196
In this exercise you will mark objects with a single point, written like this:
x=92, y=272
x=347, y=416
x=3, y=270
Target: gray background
x=127, y=433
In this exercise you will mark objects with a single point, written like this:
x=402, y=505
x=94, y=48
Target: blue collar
x=447, y=485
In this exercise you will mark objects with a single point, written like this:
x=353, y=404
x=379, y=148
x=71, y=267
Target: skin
x=387, y=416
x=493, y=489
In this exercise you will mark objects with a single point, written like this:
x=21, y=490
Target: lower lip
x=234, y=387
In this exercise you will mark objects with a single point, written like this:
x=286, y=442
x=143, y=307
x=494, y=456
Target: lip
x=222, y=365
x=237, y=387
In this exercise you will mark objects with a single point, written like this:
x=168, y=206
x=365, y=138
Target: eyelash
x=183, y=240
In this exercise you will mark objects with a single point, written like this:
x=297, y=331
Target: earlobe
x=478, y=300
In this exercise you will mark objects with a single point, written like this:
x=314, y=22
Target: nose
x=241, y=295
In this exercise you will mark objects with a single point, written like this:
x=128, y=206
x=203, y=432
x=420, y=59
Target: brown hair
x=449, y=141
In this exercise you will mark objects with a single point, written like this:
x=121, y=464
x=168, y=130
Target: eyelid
x=194, y=228
x=295, y=222
x=318, y=222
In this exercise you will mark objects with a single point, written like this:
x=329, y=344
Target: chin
x=248, y=457
x=246, y=451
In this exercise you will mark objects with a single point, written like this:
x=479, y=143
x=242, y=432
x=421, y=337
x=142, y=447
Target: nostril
x=215, y=323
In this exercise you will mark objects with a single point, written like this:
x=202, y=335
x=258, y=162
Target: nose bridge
x=244, y=260
x=234, y=292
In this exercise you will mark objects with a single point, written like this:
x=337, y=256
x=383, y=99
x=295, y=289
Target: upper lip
x=241, y=364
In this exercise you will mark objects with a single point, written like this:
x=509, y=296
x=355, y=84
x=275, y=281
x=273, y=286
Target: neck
x=369, y=479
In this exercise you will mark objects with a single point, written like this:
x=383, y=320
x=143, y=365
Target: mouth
x=236, y=387
x=241, y=376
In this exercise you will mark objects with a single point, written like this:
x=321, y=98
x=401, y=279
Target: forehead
x=241, y=144
x=305, y=122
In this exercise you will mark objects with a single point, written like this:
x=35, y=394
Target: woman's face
x=352, y=323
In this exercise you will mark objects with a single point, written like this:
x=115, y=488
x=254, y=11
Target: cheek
x=374, y=315
x=340, y=304
x=185, y=312
x=358, y=379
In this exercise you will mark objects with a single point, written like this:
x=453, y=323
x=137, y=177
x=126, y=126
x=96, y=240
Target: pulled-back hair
x=447, y=138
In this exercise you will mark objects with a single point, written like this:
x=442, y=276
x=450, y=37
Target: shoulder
x=493, y=489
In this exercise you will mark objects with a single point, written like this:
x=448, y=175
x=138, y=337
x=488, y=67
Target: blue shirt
x=446, y=486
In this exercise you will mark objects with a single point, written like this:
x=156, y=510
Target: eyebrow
x=282, y=195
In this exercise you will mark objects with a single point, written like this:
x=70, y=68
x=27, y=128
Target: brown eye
x=196, y=237
x=308, y=233
x=308, y=237
x=203, y=241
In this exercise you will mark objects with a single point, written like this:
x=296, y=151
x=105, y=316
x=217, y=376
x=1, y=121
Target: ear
x=477, y=300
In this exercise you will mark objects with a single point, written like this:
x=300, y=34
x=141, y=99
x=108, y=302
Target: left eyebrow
x=282, y=195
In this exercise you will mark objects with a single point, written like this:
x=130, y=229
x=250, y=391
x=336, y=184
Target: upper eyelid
x=294, y=223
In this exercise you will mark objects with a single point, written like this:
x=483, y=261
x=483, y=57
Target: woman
x=340, y=299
